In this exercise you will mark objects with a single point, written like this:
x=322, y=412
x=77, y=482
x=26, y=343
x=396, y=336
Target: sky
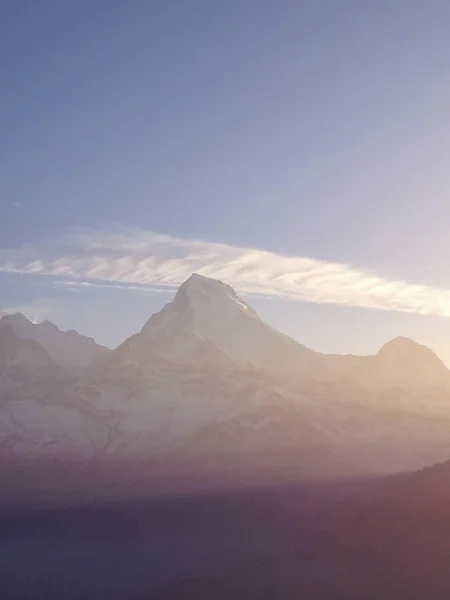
x=296, y=149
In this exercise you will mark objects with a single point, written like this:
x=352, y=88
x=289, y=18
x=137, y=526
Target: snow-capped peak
x=403, y=347
x=200, y=293
x=67, y=348
x=17, y=320
x=412, y=363
x=201, y=306
x=209, y=310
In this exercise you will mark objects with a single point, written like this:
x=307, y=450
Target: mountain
x=67, y=348
x=22, y=360
x=208, y=394
x=403, y=375
x=42, y=413
x=207, y=314
x=405, y=360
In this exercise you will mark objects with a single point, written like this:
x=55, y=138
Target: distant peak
x=19, y=319
x=202, y=304
x=402, y=346
x=49, y=324
x=16, y=318
x=198, y=277
x=201, y=281
x=199, y=288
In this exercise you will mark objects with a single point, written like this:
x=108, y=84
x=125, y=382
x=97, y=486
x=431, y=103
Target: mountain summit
x=208, y=311
x=404, y=347
x=202, y=301
x=203, y=293
x=408, y=361
x=67, y=348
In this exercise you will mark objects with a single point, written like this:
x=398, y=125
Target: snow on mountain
x=208, y=313
x=406, y=354
x=67, y=348
x=407, y=364
x=207, y=380
x=22, y=359
x=42, y=411
x=403, y=375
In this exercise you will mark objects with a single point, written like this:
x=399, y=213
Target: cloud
x=16, y=204
x=76, y=285
x=143, y=259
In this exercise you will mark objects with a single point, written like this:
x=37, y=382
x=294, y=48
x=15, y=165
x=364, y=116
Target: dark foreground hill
x=357, y=540
x=388, y=541
x=128, y=550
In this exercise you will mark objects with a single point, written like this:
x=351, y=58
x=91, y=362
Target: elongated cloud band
x=141, y=258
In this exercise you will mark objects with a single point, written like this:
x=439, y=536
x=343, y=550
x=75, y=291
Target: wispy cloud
x=137, y=258
x=77, y=284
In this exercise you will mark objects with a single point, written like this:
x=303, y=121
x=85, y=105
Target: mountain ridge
x=198, y=287
x=207, y=382
x=67, y=348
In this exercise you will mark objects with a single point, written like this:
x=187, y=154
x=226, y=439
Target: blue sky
x=311, y=130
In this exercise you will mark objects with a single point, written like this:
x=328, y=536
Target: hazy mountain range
x=208, y=387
